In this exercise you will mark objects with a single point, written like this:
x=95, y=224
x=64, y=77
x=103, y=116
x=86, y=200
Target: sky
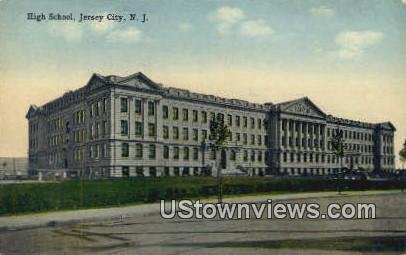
x=347, y=56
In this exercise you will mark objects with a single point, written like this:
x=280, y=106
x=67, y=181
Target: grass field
x=77, y=194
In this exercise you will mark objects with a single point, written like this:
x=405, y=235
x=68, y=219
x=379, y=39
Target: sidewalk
x=90, y=215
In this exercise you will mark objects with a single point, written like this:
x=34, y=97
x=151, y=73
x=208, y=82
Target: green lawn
x=75, y=194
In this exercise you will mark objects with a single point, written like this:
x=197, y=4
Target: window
x=245, y=120
x=245, y=138
x=124, y=104
x=237, y=121
x=238, y=137
x=124, y=150
x=230, y=119
x=104, y=127
x=185, y=171
x=166, y=171
x=165, y=130
x=252, y=139
x=259, y=156
x=165, y=112
x=152, y=151
x=252, y=155
x=166, y=152
x=204, y=134
x=139, y=171
x=212, y=116
x=259, y=122
x=186, y=153
x=175, y=113
x=138, y=106
x=138, y=151
x=125, y=171
x=195, y=153
x=176, y=171
x=204, y=117
x=175, y=152
x=152, y=171
x=91, y=127
x=98, y=107
x=252, y=123
x=195, y=116
x=91, y=110
x=138, y=128
x=98, y=128
x=259, y=138
x=245, y=156
x=195, y=135
x=185, y=134
x=104, y=105
x=151, y=108
x=175, y=132
x=96, y=151
x=232, y=155
x=151, y=129
x=185, y=113
x=124, y=127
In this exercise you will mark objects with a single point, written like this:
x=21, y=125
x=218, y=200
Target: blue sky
x=280, y=33
x=348, y=56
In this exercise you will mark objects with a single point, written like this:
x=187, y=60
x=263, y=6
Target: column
x=280, y=133
x=300, y=134
x=144, y=118
x=158, y=120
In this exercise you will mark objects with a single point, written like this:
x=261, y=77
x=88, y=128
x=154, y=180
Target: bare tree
x=337, y=143
x=402, y=155
x=219, y=134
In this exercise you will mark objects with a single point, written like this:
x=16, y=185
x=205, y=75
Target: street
x=153, y=235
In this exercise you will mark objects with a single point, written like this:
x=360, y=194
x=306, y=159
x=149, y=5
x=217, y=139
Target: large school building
x=131, y=126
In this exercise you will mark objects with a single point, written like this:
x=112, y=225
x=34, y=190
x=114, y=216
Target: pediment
x=302, y=106
x=95, y=82
x=137, y=80
x=32, y=111
x=388, y=126
x=140, y=81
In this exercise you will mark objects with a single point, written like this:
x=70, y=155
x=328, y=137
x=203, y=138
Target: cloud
x=226, y=17
x=253, y=28
x=322, y=11
x=71, y=32
x=353, y=43
x=185, y=26
x=130, y=35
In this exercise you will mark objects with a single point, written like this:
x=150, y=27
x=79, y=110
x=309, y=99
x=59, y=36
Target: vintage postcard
x=203, y=127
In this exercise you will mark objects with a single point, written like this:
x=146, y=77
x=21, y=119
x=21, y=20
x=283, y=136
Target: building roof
x=141, y=82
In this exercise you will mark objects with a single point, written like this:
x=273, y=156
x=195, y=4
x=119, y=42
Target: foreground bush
x=76, y=194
